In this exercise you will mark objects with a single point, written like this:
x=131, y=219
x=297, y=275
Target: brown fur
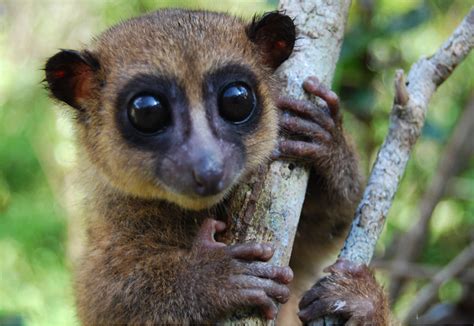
x=141, y=264
x=349, y=291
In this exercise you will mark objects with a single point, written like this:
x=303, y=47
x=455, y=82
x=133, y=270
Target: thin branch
x=410, y=245
x=406, y=121
x=446, y=313
x=429, y=292
x=417, y=271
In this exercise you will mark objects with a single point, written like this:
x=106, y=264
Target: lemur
x=172, y=110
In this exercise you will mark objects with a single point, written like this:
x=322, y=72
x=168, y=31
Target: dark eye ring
x=149, y=113
x=237, y=102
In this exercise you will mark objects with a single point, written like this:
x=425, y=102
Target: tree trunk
x=268, y=207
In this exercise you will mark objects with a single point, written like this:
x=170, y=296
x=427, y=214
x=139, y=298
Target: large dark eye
x=237, y=102
x=149, y=114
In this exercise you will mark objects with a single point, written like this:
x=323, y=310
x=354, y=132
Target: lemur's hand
x=250, y=281
x=310, y=132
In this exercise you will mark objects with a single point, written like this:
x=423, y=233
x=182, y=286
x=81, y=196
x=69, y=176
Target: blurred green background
x=37, y=148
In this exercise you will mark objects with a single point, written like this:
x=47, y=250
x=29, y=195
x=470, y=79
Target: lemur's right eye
x=237, y=102
x=149, y=114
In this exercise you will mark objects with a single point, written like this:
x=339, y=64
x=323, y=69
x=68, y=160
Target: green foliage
x=36, y=151
x=450, y=291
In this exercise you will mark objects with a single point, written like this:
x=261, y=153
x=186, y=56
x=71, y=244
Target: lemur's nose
x=208, y=176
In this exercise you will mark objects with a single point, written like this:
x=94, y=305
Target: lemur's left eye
x=237, y=102
x=149, y=113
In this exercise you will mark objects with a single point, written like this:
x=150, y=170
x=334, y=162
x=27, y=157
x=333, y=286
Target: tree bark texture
x=268, y=207
x=406, y=122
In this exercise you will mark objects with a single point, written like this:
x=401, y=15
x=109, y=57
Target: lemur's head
x=176, y=104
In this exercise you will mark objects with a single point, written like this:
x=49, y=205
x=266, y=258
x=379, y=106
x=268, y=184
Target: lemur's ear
x=70, y=76
x=275, y=34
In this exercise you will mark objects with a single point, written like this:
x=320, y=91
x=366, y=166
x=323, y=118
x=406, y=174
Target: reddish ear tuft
x=59, y=74
x=70, y=75
x=275, y=34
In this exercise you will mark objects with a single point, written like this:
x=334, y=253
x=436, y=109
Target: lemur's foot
x=350, y=292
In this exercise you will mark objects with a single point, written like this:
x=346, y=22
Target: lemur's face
x=177, y=104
